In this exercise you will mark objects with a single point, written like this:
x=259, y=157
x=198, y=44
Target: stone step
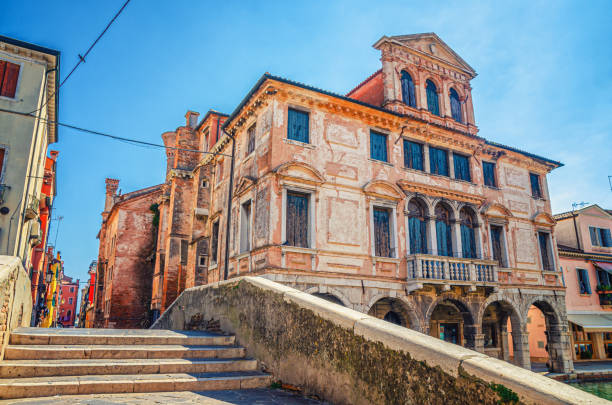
x=76, y=367
x=13, y=388
x=78, y=336
x=59, y=352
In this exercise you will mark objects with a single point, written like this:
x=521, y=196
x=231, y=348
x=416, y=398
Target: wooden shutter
x=413, y=155
x=462, y=167
x=594, y=236
x=535, y=185
x=378, y=146
x=489, y=174
x=9, y=80
x=2, y=152
x=297, y=125
x=543, y=239
x=296, y=226
x=382, y=234
x=251, y=140
x=606, y=238
x=496, y=240
x=432, y=98
x=438, y=161
x=214, y=243
x=408, y=93
x=455, y=105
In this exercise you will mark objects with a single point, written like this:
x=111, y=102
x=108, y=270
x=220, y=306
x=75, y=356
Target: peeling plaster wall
x=15, y=298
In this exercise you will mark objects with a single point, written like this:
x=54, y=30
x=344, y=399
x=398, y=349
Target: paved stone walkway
x=235, y=397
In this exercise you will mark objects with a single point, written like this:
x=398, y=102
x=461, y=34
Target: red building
x=68, y=296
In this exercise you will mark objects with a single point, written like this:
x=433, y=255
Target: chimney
x=111, y=189
x=192, y=118
x=54, y=154
x=169, y=139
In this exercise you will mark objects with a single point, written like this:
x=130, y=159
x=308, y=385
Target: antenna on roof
x=580, y=204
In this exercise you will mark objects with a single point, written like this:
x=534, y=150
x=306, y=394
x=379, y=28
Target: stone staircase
x=45, y=362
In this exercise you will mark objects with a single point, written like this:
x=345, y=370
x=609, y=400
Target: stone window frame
x=505, y=262
x=551, y=250
x=392, y=207
x=251, y=201
x=311, y=193
x=588, y=280
x=309, y=112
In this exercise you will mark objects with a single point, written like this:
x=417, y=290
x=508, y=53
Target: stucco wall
x=348, y=357
x=15, y=298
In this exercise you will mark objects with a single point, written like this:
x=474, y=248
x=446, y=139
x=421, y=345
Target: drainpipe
x=229, y=207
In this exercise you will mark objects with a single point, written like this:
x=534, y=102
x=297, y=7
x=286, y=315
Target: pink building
x=585, y=254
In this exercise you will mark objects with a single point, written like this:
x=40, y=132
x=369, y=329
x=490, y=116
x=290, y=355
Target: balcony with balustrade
x=450, y=271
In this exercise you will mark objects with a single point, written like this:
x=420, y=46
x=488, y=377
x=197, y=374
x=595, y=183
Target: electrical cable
x=82, y=57
x=115, y=137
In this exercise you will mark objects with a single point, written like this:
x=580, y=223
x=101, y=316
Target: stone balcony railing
x=429, y=269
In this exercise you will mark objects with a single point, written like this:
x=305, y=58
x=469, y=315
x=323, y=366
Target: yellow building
x=29, y=76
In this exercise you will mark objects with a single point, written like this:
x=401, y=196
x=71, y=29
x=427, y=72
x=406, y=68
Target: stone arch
x=451, y=298
x=401, y=305
x=451, y=319
x=493, y=316
x=438, y=83
x=327, y=292
x=300, y=171
x=458, y=88
x=449, y=205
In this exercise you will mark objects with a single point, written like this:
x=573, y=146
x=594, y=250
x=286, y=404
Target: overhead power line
x=82, y=57
x=115, y=137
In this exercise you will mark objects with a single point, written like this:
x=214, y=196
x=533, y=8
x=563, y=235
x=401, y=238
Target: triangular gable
x=422, y=44
x=243, y=185
x=496, y=210
x=543, y=218
x=596, y=211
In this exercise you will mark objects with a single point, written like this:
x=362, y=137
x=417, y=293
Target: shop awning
x=592, y=322
x=604, y=266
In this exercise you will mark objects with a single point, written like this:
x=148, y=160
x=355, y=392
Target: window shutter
x=296, y=228
x=455, y=105
x=417, y=156
x=594, y=238
x=546, y=262
x=2, y=70
x=496, y=240
x=297, y=125
x=432, y=98
x=9, y=83
x=462, y=167
x=535, y=185
x=408, y=93
x=378, y=146
x=438, y=161
x=489, y=174
x=382, y=237
x=607, y=238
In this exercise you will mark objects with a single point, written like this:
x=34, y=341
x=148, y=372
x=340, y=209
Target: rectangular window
x=583, y=281
x=9, y=73
x=413, y=155
x=2, y=153
x=245, y=227
x=543, y=239
x=603, y=277
x=251, y=140
x=462, y=167
x=536, y=191
x=496, y=242
x=219, y=172
x=378, y=146
x=214, y=242
x=382, y=233
x=71, y=289
x=297, y=125
x=202, y=261
x=488, y=170
x=438, y=161
x=296, y=226
x=600, y=237
x=70, y=301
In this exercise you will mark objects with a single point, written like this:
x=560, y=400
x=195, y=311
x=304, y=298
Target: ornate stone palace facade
x=385, y=200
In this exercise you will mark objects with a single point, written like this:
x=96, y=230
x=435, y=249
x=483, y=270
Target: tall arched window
x=468, y=239
x=417, y=227
x=455, y=105
x=443, y=231
x=432, y=98
x=408, y=94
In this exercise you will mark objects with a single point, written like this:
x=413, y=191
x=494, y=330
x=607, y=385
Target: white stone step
x=78, y=336
x=103, y=384
x=58, y=352
x=76, y=367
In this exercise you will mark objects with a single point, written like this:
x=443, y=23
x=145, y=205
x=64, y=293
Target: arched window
x=468, y=240
x=408, y=94
x=417, y=227
x=432, y=98
x=443, y=231
x=455, y=105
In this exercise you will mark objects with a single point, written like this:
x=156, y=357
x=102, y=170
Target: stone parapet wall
x=15, y=298
x=348, y=357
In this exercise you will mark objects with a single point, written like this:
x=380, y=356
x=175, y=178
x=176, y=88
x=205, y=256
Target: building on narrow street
x=69, y=291
x=125, y=258
x=585, y=254
x=28, y=82
x=386, y=200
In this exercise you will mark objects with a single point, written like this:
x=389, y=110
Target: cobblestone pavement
x=230, y=397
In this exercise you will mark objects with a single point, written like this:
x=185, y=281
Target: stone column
x=559, y=347
x=456, y=236
x=520, y=340
x=503, y=341
x=431, y=235
x=451, y=165
x=474, y=338
x=598, y=346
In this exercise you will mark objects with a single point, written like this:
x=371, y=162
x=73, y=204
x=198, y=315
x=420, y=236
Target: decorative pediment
x=300, y=172
x=243, y=185
x=543, y=218
x=383, y=189
x=433, y=191
x=496, y=210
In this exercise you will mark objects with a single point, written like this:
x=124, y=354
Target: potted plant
x=603, y=288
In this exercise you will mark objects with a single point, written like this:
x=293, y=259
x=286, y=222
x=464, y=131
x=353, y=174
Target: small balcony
x=447, y=271
x=31, y=211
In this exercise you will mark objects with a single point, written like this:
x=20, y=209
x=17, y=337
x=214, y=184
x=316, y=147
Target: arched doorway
x=391, y=310
x=452, y=322
x=548, y=342
x=329, y=297
x=502, y=332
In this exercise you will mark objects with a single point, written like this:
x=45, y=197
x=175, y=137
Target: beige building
x=28, y=84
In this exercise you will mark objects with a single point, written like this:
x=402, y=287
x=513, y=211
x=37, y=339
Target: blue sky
x=544, y=83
